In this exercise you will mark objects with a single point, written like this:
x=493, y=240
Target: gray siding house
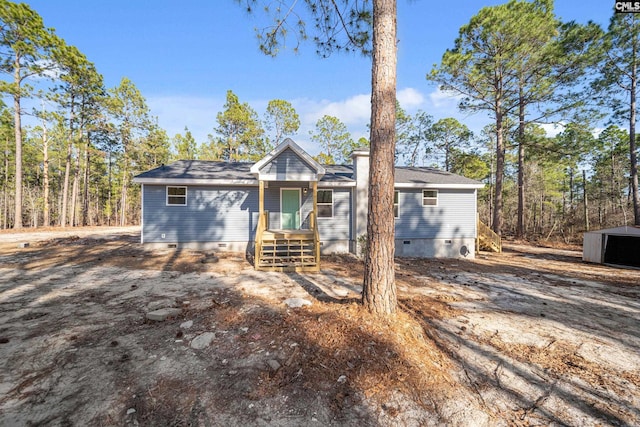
x=287, y=208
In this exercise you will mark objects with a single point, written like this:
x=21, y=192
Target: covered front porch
x=287, y=237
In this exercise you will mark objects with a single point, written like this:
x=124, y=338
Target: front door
x=290, y=209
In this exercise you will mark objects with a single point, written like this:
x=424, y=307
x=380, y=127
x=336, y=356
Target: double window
x=176, y=196
x=325, y=203
x=429, y=197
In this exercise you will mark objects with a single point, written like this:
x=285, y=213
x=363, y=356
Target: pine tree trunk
x=520, y=214
x=600, y=207
x=74, y=192
x=123, y=195
x=447, y=157
x=45, y=174
x=584, y=197
x=379, y=290
x=490, y=199
x=632, y=142
x=65, y=186
x=6, y=185
x=109, y=201
x=17, y=119
x=67, y=172
x=497, y=205
x=572, y=209
x=85, y=189
x=613, y=187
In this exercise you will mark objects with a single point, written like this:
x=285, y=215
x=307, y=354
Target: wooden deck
x=287, y=234
x=287, y=250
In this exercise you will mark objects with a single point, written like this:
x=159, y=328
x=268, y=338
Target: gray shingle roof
x=210, y=170
x=415, y=175
x=337, y=173
x=201, y=169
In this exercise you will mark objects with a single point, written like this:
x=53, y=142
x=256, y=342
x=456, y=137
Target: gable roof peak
x=288, y=144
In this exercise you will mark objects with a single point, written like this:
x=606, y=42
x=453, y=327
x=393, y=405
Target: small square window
x=176, y=196
x=325, y=203
x=396, y=204
x=429, y=197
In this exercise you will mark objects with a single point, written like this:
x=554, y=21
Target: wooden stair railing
x=288, y=250
x=316, y=239
x=488, y=240
x=262, y=227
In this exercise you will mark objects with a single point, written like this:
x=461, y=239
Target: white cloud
x=552, y=129
x=410, y=98
x=354, y=112
x=50, y=70
x=446, y=100
x=199, y=113
x=597, y=131
x=351, y=111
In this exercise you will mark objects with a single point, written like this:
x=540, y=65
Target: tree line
x=525, y=67
x=74, y=163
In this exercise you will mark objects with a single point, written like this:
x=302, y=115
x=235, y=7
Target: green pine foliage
x=73, y=164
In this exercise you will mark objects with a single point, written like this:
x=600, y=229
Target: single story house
x=286, y=208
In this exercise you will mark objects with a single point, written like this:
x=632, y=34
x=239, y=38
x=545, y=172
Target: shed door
x=622, y=250
x=290, y=209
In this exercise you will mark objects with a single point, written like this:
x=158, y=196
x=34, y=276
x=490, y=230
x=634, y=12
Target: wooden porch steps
x=291, y=253
x=287, y=250
x=488, y=240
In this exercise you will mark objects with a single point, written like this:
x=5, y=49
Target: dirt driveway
x=532, y=336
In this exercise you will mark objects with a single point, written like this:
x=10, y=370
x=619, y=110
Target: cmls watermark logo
x=627, y=7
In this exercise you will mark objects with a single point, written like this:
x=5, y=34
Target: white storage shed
x=619, y=246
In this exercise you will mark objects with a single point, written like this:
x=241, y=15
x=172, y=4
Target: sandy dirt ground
x=532, y=336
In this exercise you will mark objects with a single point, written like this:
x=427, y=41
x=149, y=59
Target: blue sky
x=184, y=55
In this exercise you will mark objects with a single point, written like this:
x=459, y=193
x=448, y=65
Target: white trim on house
x=191, y=181
x=290, y=177
x=142, y=214
x=325, y=184
x=425, y=185
x=186, y=193
x=475, y=223
x=287, y=143
x=330, y=184
x=229, y=182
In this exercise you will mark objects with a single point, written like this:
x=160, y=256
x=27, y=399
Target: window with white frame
x=176, y=196
x=429, y=197
x=325, y=203
x=396, y=204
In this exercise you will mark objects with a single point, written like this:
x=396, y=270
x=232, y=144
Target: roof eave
x=435, y=185
x=196, y=181
x=335, y=184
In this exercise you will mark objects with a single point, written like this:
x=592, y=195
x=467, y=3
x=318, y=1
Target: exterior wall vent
x=406, y=242
x=172, y=245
